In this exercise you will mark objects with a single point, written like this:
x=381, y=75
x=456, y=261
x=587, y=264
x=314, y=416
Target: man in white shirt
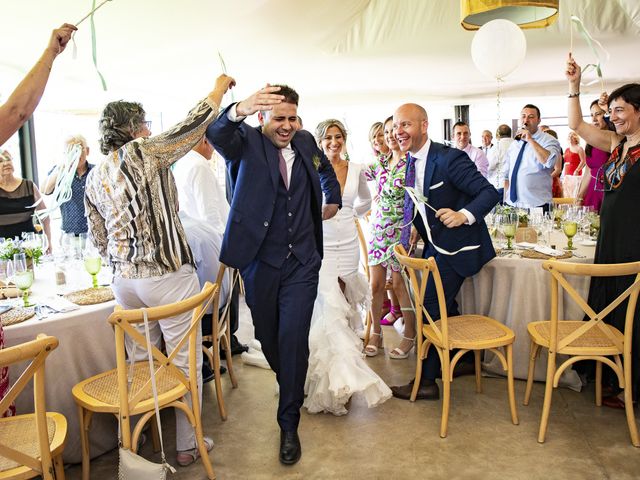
x=199, y=192
x=496, y=157
x=462, y=140
x=487, y=141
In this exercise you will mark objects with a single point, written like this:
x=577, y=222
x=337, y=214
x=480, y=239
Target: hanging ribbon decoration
x=93, y=40
x=66, y=171
x=596, y=47
x=223, y=67
x=418, y=198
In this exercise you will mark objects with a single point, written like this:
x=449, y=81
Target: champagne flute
x=570, y=228
x=92, y=262
x=509, y=223
x=22, y=278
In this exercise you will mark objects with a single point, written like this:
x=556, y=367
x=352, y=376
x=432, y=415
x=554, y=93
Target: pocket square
x=437, y=185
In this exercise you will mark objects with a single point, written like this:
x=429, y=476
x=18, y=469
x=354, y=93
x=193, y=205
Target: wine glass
x=594, y=226
x=22, y=278
x=570, y=228
x=92, y=262
x=508, y=224
x=6, y=271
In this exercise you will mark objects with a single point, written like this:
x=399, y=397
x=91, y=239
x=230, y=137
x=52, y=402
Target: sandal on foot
x=371, y=350
x=398, y=354
x=185, y=458
x=392, y=317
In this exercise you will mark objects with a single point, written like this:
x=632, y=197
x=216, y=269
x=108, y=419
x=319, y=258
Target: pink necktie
x=282, y=166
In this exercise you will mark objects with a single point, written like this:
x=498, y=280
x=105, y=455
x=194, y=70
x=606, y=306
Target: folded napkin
x=526, y=245
x=60, y=304
x=548, y=251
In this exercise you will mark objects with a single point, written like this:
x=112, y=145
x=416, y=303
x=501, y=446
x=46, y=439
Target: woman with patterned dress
x=336, y=367
x=386, y=225
x=619, y=236
x=590, y=193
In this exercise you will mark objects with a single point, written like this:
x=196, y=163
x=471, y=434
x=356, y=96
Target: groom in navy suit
x=461, y=197
x=274, y=234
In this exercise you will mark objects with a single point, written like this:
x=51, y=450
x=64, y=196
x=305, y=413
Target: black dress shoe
x=290, y=449
x=207, y=371
x=425, y=391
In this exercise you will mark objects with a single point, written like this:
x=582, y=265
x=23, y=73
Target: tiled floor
x=400, y=439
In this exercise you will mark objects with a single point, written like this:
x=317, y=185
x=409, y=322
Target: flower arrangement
x=31, y=248
x=523, y=215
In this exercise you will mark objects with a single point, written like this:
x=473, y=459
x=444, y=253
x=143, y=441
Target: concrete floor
x=400, y=439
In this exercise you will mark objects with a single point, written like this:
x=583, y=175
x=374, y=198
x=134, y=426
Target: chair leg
x=217, y=379
x=598, y=383
x=58, y=466
x=476, y=354
x=548, y=392
x=416, y=380
x=510, y=385
x=229, y=358
x=446, y=393
x=84, y=441
x=202, y=448
x=628, y=403
x=533, y=354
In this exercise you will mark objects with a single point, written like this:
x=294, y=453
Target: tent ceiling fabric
x=352, y=50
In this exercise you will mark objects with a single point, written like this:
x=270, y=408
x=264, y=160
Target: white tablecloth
x=87, y=347
x=517, y=291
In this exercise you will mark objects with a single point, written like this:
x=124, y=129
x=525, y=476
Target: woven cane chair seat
x=592, y=338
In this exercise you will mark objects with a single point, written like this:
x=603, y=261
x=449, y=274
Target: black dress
x=15, y=217
x=619, y=242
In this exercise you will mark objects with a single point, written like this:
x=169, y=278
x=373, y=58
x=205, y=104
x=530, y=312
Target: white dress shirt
x=199, y=193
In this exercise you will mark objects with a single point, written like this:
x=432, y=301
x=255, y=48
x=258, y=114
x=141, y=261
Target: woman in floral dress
x=388, y=171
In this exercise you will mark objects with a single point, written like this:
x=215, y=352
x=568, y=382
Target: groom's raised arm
x=330, y=187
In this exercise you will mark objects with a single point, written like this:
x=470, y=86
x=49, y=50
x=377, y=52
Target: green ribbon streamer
x=595, y=46
x=93, y=47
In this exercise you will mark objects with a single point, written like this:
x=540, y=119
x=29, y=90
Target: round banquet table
x=87, y=347
x=516, y=291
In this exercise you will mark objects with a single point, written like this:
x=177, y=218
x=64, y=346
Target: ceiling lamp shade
x=525, y=13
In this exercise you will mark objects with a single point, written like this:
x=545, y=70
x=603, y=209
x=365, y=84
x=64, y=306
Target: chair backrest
x=37, y=351
x=123, y=321
x=419, y=270
x=559, y=283
x=364, y=251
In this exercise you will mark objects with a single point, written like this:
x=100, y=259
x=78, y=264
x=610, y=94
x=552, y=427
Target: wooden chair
x=585, y=340
x=110, y=392
x=463, y=332
x=563, y=201
x=364, y=262
x=31, y=445
x=221, y=333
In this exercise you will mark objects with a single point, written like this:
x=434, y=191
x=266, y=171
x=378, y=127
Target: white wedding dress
x=337, y=369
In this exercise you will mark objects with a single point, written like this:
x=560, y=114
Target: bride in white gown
x=337, y=369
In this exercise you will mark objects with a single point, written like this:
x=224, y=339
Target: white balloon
x=498, y=48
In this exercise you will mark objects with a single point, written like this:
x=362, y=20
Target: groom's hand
x=329, y=211
x=263, y=99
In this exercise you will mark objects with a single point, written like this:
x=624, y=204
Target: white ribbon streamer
x=417, y=198
x=62, y=191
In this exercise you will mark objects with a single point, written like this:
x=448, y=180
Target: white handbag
x=131, y=465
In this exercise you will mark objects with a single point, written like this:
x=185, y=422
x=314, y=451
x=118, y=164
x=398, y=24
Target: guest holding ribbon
x=619, y=235
x=590, y=193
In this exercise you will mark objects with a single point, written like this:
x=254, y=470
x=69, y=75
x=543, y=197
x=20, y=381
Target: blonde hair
x=321, y=129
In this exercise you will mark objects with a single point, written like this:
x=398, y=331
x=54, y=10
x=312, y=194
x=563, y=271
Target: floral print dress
x=387, y=216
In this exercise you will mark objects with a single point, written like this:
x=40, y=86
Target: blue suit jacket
x=252, y=162
x=451, y=180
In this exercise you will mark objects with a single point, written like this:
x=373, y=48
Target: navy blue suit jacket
x=451, y=180
x=252, y=162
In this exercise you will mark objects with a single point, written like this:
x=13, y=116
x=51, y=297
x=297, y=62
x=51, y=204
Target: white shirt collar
x=423, y=153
